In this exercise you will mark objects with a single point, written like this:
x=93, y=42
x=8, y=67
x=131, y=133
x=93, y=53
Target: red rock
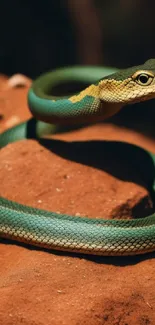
x=40, y=287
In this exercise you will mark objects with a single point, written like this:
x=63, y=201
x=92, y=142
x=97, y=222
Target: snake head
x=129, y=86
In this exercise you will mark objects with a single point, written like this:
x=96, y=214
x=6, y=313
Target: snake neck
x=106, y=110
x=86, y=107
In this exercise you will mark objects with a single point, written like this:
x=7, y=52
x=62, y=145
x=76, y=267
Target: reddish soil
x=85, y=173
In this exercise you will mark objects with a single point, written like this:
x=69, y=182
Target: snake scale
x=96, y=102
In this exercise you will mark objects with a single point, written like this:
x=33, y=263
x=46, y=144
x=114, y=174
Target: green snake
x=99, y=100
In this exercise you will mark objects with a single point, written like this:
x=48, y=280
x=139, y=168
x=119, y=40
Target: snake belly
x=60, y=231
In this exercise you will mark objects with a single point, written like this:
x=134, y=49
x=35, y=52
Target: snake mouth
x=141, y=98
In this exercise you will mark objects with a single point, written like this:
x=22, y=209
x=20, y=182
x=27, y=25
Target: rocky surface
x=86, y=172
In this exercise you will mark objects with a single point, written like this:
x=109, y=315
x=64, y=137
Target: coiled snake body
x=98, y=101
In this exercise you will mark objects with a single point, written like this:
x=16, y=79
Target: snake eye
x=144, y=79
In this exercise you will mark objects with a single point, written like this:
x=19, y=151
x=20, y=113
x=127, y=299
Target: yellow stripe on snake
x=97, y=102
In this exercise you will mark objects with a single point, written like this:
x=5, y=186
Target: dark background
x=37, y=36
